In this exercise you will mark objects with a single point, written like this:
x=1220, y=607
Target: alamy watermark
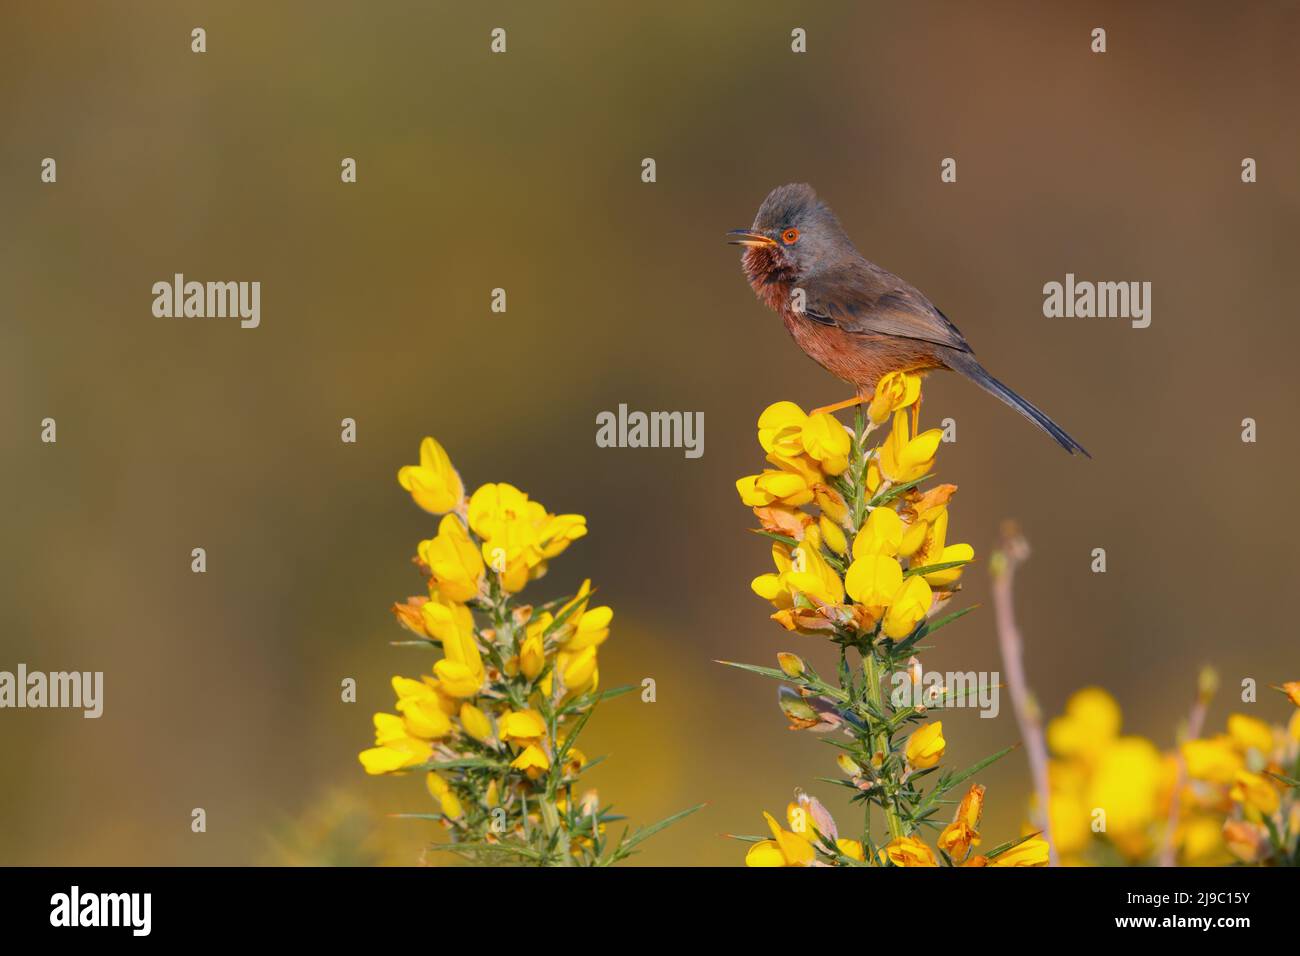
x=179, y=299
x=76, y=690
x=947, y=690
x=75, y=908
x=1103, y=300
x=634, y=429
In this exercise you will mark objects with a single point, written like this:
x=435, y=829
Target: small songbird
x=853, y=318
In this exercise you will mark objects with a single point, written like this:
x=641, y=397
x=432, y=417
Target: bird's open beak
x=746, y=237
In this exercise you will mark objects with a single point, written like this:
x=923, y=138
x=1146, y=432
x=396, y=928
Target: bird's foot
x=847, y=403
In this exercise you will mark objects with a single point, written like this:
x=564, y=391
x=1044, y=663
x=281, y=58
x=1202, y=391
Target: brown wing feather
x=865, y=299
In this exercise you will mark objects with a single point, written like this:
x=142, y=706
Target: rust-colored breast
x=855, y=358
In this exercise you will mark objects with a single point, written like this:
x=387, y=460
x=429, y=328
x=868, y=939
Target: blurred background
x=522, y=171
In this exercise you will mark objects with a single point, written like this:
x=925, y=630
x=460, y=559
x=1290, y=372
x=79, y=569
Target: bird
x=855, y=319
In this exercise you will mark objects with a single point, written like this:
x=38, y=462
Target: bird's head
x=793, y=233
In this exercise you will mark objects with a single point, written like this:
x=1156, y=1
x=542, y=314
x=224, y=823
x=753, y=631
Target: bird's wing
x=865, y=299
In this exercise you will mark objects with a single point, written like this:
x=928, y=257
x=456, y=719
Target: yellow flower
x=914, y=537
x=959, y=836
x=908, y=607
x=771, y=587
x=1200, y=839
x=453, y=560
x=475, y=723
x=441, y=791
x=523, y=726
x=533, y=761
x=1069, y=815
x=874, y=478
x=908, y=851
x=395, y=748
x=926, y=745
x=433, y=483
x=532, y=654
x=576, y=606
x=882, y=533
x=1258, y=797
x=832, y=535
x=831, y=502
x=442, y=617
x=775, y=487
x=425, y=718
x=903, y=459
x=1090, y=722
x=935, y=551
x=558, y=532
x=1214, y=760
x=811, y=575
x=1126, y=784
x=518, y=534
x=460, y=672
x=780, y=429
x=850, y=848
x=498, y=510
x=894, y=391
x=591, y=630
x=578, y=670
x=826, y=441
x=424, y=709
x=784, y=849
x=873, y=579
x=1250, y=733
x=1033, y=852
x=786, y=434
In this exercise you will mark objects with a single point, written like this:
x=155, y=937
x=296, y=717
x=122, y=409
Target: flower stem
x=880, y=741
x=1012, y=550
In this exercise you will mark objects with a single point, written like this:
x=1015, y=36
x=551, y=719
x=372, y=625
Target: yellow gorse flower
x=494, y=722
x=455, y=566
x=518, y=534
x=905, y=459
x=1032, y=852
x=433, y=483
x=909, y=851
x=895, y=391
x=926, y=745
x=958, y=837
x=784, y=849
x=1256, y=795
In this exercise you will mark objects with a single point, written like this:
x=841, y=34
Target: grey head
x=797, y=230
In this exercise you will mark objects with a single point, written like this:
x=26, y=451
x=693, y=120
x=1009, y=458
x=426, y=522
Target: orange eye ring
x=790, y=236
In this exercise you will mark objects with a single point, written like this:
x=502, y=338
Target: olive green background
x=522, y=171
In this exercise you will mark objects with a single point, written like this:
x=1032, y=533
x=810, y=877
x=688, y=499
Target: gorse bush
x=1216, y=799
x=494, y=724
x=862, y=559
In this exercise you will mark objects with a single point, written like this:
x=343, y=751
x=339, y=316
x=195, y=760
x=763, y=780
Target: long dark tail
x=967, y=365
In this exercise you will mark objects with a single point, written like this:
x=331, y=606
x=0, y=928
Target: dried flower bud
x=797, y=710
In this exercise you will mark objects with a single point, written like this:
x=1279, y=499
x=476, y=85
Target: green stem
x=551, y=826
x=880, y=742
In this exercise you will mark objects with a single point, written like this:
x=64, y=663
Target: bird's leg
x=838, y=406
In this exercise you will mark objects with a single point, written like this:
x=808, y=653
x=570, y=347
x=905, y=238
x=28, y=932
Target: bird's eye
x=790, y=236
